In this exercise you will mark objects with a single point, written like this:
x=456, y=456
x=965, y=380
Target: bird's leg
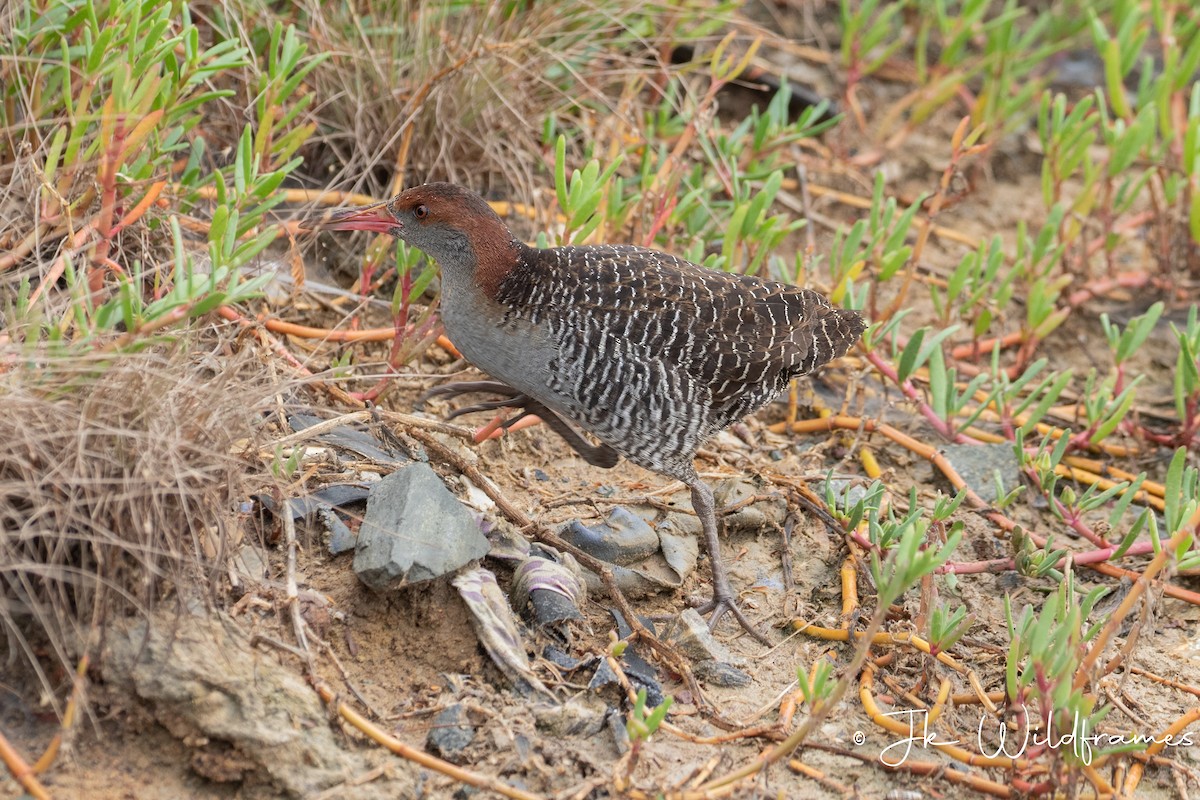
x=723, y=600
x=598, y=455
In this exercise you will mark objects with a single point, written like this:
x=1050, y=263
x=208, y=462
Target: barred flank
x=656, y=354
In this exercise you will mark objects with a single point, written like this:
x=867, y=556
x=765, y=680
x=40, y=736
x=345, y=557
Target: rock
x=341, y=538
x=847, y=492
x=644, y=560
x=720, y=673
x=356, y=439
x=414, y=530
x=691, y=635
x=246, y=717
x=682, y=524
x=606, y=684
x=580, y=716
x=620, y=734
x=979, y=463
x=770, y=510
x=452, y=732
x=623, y=538
x=324, y=505
x=560, y=658
x=250, y=564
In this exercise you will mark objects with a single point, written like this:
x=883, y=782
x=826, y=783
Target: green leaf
x=1173, y=495
x=908, y=359
x=1118, y=409
x=560, y=172
x=1049, y=398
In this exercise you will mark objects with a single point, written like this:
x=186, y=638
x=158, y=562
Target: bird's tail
x=836, y=331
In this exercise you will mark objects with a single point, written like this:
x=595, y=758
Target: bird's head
x=450, y=223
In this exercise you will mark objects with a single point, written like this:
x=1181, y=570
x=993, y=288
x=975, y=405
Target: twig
x=1173, y=730
x=379, y=736
x=293, y=592
x=21, y=771
x=407, y=420
x=68, y=719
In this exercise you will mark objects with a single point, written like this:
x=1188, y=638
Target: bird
x=649, y=353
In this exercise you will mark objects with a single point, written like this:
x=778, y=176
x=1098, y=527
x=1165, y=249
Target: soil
x=412, y=653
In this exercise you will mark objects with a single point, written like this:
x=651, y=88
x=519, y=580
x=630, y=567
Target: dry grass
x=119, y=489
x=472, y=83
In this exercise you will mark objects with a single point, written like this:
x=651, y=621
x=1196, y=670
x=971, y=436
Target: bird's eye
x=421, y=211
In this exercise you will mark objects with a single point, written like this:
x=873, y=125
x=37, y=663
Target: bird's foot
x=722, y=603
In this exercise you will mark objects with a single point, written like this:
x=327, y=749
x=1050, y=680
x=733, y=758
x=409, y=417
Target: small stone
x=604, y=678
x=847, y=492
x=250, y=564
x=720, y=673
x=691, y=635
x=356, y=440
x=452, y=732
x=580, y=716
x=978, y=465
x=620, y=733
x=341, y=538
x=560, y=659
x=768, y=510
x=683, y=524
x=414, y=530
x=623, y=538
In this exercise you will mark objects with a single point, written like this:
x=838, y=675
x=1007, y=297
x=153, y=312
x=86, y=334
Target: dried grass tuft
x=119, y=489
x=471, y=84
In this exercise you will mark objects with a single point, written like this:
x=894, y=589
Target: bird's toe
x=720, y=605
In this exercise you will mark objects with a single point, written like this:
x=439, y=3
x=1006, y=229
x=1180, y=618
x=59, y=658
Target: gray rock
x=623, y=538
x=245, y=717
x=452, y=732
x=414, y=530
x=250, y=564
x=341, y=538
x=691, y=635
x=644, y=560
x=979, y=463
x=847, y=492
x=605, y=684
x=769, y=510
x=719, y=673
x=355, y=439
x=580, y=716
x=620, y=733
